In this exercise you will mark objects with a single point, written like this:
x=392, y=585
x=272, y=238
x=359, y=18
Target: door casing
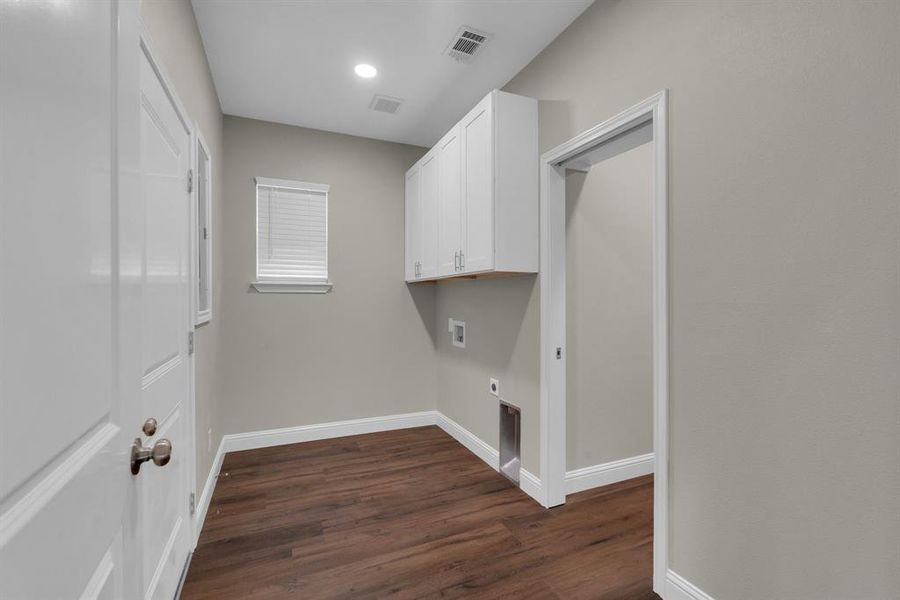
x=553, y=311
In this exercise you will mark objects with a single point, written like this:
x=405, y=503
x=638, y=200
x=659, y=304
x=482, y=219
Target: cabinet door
x=478, y=188
x=428, y=203
x=449, y=202
x=413, y=222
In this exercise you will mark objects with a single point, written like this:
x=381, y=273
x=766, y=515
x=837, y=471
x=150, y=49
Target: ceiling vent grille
x=385, y=104
x=466, y=43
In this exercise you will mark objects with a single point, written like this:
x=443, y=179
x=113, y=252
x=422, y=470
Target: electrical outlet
x=209, y=440
x=495, y=387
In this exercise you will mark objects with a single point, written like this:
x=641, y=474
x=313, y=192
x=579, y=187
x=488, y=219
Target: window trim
x=202, y=317
x=286, y=285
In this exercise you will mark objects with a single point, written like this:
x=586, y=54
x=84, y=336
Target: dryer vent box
x=510, y=441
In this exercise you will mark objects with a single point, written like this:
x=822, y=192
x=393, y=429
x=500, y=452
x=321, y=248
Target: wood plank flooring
x=411, y=514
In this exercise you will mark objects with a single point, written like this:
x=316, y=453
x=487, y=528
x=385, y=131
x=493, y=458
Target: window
x=291, y=236
x=203, y=235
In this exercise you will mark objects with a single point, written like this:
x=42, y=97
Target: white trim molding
x=292, y=185
x=679, y=588
x=202, y=506
x=292, y=287
x=307, y=433
x=553, y=310
x=528, y=482
x=236, y=442
x=472, y=442
x=615, y=471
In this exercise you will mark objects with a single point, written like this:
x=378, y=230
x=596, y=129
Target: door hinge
x=193, y=503
x=205, y=233
x=190, y=342
x=558, y=352
x=190, y=181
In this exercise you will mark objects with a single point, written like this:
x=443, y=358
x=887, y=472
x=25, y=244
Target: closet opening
x=604, y=377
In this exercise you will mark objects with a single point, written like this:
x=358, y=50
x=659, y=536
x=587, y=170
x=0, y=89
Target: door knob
x=160, y=454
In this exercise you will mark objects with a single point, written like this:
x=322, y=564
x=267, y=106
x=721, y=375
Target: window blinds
x=291, y=231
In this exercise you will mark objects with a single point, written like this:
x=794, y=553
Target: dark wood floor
x=411, y=514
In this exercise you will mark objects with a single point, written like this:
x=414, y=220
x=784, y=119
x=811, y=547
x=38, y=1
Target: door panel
x=478, y=188
x=413, y=222
x=449, y=202
x=429, y=214
x=163, y=495
x=65, y=488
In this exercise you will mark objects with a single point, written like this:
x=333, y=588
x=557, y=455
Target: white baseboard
x=472, y=442
x=322, y=431
x=531, y=485
x=209, y=487
x=587, y=478
x=528, y=482
x=235, y=442
x=679, y=588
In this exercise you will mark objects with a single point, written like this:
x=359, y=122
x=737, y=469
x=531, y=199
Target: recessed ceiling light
x=365, y=71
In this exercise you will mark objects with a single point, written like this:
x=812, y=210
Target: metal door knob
x=160, y=454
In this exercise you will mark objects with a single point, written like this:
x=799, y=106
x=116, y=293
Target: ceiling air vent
x=466, y=43
x=385, y=104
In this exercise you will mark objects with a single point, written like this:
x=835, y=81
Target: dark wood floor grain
x=411, y=514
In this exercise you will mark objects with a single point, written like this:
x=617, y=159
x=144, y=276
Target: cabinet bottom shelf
x=471, y=276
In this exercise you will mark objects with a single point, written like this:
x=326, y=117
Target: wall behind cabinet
x=364, y=350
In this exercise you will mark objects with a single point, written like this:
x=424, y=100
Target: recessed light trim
x=365, y=71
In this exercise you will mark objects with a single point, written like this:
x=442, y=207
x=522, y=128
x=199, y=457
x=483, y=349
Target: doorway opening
x=641, y=124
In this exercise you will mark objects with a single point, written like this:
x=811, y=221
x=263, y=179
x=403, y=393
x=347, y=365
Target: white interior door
x=449, y=202
x=429, y=216
x=66, y=493
x=163, y=505
x=478, y=188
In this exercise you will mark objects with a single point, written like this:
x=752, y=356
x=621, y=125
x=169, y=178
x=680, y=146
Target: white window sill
x=292, y=287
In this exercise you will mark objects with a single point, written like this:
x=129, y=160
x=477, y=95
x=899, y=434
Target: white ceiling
x=292, y=61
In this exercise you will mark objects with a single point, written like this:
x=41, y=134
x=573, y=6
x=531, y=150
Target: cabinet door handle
x=462, y=260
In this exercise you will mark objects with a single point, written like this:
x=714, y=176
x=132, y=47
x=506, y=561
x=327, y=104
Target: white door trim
x=191, y=451
x=553, y=313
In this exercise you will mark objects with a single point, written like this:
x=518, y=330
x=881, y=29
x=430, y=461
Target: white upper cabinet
x=475, y=203
x=422, y=218
x=449, y=199
x=413, y=222
x=478, y=175
x=428, y=263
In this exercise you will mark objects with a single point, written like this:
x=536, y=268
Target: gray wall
x=366, y=349
x=176, y=42
x=785, y=281
x=609, y=366
x=502, y=329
